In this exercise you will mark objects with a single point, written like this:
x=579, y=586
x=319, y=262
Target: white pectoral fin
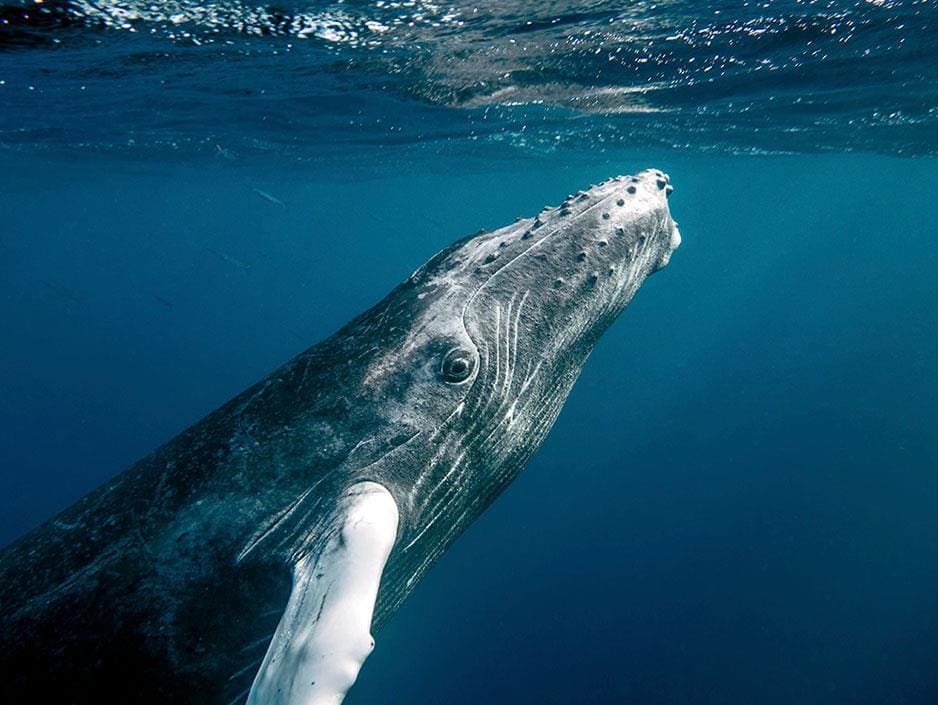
x=324, y=635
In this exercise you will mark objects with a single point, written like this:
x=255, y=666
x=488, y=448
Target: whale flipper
x=324, y=635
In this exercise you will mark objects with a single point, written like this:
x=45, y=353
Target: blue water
x=739, y=503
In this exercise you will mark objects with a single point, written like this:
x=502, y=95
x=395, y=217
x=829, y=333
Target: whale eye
x=457, y=365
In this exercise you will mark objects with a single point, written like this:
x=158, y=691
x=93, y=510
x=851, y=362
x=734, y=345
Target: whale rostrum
x=250, y=558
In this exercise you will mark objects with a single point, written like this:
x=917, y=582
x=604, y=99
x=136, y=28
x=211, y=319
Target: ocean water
x=739, y=502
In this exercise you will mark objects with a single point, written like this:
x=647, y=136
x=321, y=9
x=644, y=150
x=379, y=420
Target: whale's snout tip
x=661, y=179
x=658, y=183
x=675, y=237
x=657, y=179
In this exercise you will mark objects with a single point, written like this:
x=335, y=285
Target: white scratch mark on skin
x=517, y=325
x=438, y=455
x=254, y=664
x=498, y=345
x=456, y=464
x=511, y=303
x=460, y=407
x=263, y=641
x=284, y=515
x=306, y=368
x=510, y=414
x=481, y=378
x=513, y=340
x=530, y=377
x=65, y=526
x=237, y=698
x=480, y=413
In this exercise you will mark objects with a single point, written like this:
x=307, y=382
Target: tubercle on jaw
x=569, y=207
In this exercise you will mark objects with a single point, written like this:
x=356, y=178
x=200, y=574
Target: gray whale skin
x=247, y=559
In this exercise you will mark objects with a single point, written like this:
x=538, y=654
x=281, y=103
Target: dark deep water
x=739, y=503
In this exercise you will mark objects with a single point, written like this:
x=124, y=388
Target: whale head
x=482, y=346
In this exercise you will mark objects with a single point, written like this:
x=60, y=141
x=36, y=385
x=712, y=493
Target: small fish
x=223, y=153
x=166, y=302
x=270, y=198
x=63, y=292
x=295, y=334
x=229, y=259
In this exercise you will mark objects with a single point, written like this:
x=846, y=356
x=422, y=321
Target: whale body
x=250, y=558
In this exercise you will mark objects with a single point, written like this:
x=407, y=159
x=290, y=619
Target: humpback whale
x=250, y=558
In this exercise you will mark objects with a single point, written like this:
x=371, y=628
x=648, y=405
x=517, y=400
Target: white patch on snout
x=324, y=635
x=675, y=238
